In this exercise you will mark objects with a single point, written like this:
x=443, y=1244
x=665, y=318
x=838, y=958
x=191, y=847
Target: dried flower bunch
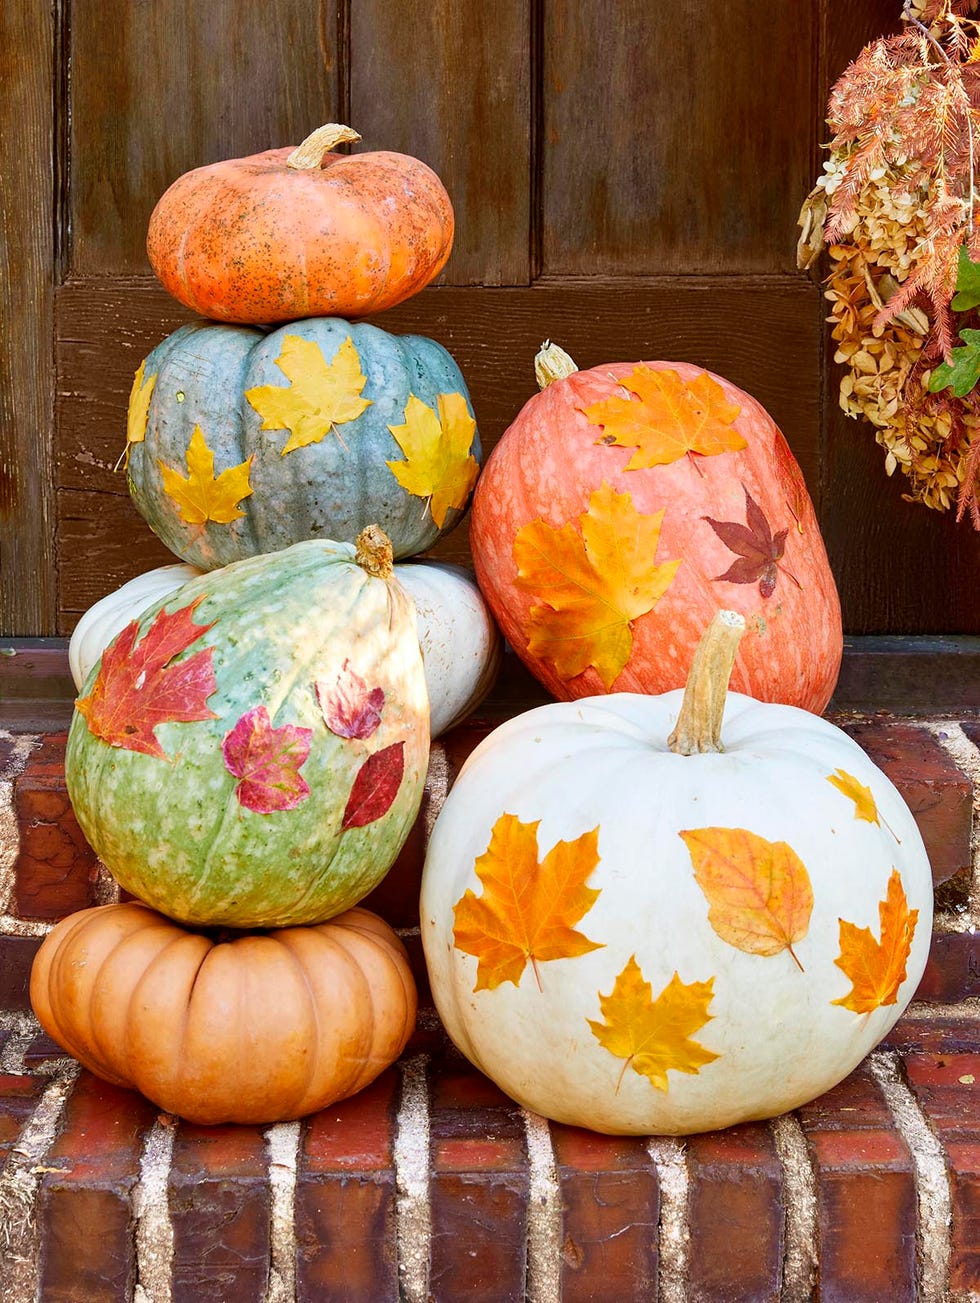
x=896, y=207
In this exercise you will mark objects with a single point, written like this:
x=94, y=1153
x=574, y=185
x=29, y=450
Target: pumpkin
x=631, y=927
x=459, y=640
x=301, y=232
x=623, y=506
x=251, y=751
x=256, y=1027
x=241, y=441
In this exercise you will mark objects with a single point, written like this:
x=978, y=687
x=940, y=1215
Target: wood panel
x=675, y=140
x=157, y=89
x=105, y=328
x=27, y=74
x=451, y=84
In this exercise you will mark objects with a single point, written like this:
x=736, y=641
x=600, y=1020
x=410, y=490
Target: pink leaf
x=349, y=709
x=267, y=762
x=375, y=786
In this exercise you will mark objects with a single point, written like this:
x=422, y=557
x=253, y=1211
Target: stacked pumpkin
x=248, y=752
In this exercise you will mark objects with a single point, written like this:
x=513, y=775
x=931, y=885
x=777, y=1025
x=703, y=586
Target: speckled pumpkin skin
x=552, y=458
x=174, y=833
x=252, y=240
x=324, y=490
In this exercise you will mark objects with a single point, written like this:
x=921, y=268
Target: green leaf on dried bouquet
x=960, y=375
x=967, y=294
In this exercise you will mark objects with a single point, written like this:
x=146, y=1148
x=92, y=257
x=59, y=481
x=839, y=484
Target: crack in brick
x=544, y=1213
x=800, y=1210
x=154, y=1231
x=283, y=1142
x=670, y=1157
x=413, y=1215
x=966, y=756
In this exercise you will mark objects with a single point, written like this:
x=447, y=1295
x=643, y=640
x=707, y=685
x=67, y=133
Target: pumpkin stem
x=309, y=155
x=552, y=363
x=698, y=725
x=374, y=553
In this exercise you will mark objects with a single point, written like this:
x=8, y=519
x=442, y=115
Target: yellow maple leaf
x=667, y=417
x=864, y=802
x=202, y=496
x=876, y=969
x=320, y=394
x=138, y=413
x=592, y=585
x=438, y=464
x=527, y=909
x=654, y=1036
x=758, y=892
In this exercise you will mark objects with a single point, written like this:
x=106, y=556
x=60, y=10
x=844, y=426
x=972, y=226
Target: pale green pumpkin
x=262, y=813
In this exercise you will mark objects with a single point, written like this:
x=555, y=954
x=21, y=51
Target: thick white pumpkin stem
x=552, y=363
x=374, y=553
x=698, y=725
x=309, y=155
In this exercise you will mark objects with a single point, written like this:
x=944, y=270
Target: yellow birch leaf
x=592, y=584
x=437, y=462
x=138, y=413
x=320, y=394
x=667, y=417
x=527, y=909
x=654, y=1036
x=876, y=969
x=864, y=802
x=758, y=892
x=202, y=496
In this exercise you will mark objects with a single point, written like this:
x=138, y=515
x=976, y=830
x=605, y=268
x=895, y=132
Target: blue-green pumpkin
x=242, y=441
x=251, y=751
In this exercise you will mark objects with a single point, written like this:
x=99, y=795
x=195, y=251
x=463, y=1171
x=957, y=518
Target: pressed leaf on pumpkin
x=667, y=418
x=758, y=549
x=592, y=582
x=203, y=496
x=654, y=1036
x=320, y=395
x=350, y=709
x=876, y=969
x=528, y=908
x=267, y=761
x=758, y=892
x=375, y=786
x=864, y=802
x=437, y=464
x=138, y=413
x=137, y=687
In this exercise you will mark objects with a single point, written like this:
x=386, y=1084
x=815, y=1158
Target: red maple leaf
x=759, y=551
x=138, y=688
x=375, y=786
x=267, y=761
x=349, y=709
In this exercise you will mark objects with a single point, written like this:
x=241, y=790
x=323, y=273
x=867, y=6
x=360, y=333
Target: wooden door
x=626, y=178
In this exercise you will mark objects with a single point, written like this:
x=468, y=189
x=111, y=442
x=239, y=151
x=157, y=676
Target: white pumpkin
x=459, y=640
x=636, y=940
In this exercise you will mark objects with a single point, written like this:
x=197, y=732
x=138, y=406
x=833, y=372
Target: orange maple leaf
x=877, y=968
x=654, y=1036
x=592, y=584
x=759, y=894
x=667, y=417
x=527, y=908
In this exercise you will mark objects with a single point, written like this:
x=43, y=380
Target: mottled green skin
x=330, y=489
x=174, y=833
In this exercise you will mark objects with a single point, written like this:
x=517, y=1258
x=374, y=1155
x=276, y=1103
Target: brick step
x=432, y=1184
x=47, y=869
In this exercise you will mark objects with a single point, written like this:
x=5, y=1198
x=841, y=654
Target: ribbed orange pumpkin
x=262, y=1027
x=627, y=503
x=302, y=232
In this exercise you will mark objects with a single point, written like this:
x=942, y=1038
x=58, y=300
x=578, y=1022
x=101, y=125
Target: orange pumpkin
x=301, y=233
x=262, y=1027
x=626, y=504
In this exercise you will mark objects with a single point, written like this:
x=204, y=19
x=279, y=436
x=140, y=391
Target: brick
x=610, y=1212
x=854, y=1103
x=345, y=1199
x=964, y=1173
x=396, y=897
x=18, y=1099
x=85, y=1207
x=220, y=1205
x=56, y=870
x=16, y=957
x=736, y=1216
x=40, y=1051
x=941, y=1033
x=952, y=970
x=939, y=795
x=466, y=1103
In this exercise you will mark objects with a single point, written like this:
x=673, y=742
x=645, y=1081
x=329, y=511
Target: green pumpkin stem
x=309, y=155
x=552, y=363
x=698, y=725
x=374, y=553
